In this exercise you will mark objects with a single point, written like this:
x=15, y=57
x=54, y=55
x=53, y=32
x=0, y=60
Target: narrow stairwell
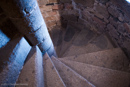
x=86, y=59
x=83, y=34
x=87, y=56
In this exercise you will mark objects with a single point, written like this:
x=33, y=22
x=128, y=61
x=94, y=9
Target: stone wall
x=101, y=16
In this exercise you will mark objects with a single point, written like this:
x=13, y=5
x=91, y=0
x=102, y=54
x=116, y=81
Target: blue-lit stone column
x=26, y=16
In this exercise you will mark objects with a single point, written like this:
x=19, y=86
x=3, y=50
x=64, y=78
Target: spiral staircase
x=85, y=59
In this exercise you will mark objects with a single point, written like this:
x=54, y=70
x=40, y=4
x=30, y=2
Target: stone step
x=99, y=43
x=32, y=72
x=51, y=75
x=101, y=77
x=112, y=58
x=57, y=36
x=12, y=57
x=69, y=76
x=68, y=36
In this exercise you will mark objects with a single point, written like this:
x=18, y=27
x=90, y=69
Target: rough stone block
x=126, y=18
x=12, y=62
x=98, y=21
x=52, y=13
x=127, y=27
x=30, y=23
x=70, y=17
x=113, y=22
x=45, y=45
x=43, y=2
x=86, y=16
x=69, y=12
x=46, y=8
x=121, y=28
x=55, y=7
x=68, y=6
x=32, y=72
x=113, y=11
x=38, y=36
x=54, y=1
x=50, y=18
x=51, y=24
x=87, y=3
x=102, y=10
x=98, y=15
x=35, y=19
x=99, y=24
x=112, y=31
x=27, y=6
x=103, y=1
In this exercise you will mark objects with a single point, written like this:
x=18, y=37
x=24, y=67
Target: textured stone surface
x=43, y=2
x=113, y=11
x=70, y=77
x=103, y=1
x=68, y=38
x=57, y=38
x=96, y=14
x=87, y=3
x=51, y=75
x=54, y=1
x=92, y=46
x=38, y=36
x=45, y=44
x=30, y=23
x=84, y=37
x=101, y=77
x=12, y=58
x=32, y=72
x=101, y=9
x=113, y=59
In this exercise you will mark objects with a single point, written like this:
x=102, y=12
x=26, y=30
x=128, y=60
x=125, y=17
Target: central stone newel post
x=26, y=16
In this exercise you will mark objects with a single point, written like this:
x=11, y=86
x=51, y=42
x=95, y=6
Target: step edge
x=56, y=70
x=96, y=66
x=81, y=77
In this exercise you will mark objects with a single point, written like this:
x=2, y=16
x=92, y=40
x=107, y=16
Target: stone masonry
x=101, y=16
x=27, y=18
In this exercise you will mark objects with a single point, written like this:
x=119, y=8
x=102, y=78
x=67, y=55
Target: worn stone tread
x=32, y=72
x=66, y=44
x=12, y=57
x=99, y=43
x=111, y=58
x=69, y=76
x=101, y=77
x=57, y=38
x=51, y=75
